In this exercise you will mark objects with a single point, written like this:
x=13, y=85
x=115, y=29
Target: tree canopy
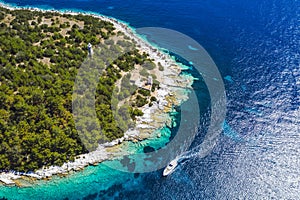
x=40, y=54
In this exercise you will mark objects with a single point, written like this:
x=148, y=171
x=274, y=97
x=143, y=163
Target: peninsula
x=41, y=53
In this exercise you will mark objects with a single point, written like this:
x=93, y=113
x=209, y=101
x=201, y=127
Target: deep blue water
x=255, y=44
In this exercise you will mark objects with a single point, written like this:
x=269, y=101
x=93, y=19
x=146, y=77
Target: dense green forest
x=40, y=54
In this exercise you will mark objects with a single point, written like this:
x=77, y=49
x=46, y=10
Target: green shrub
x=144, y=92
x=149, y=65
x=153, y=98
x=140, y=101
x=144, y=72
x=135, y=112
x=161, y=68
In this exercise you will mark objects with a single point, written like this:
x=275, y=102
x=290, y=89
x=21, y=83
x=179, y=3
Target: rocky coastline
x=172, y=92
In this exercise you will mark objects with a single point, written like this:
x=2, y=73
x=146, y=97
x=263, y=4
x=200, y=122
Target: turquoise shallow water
x=92, y=179
x=75, y=186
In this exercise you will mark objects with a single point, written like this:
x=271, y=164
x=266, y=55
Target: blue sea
x=256, y=46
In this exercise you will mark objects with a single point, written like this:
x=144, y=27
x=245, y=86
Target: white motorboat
x=171, y=167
